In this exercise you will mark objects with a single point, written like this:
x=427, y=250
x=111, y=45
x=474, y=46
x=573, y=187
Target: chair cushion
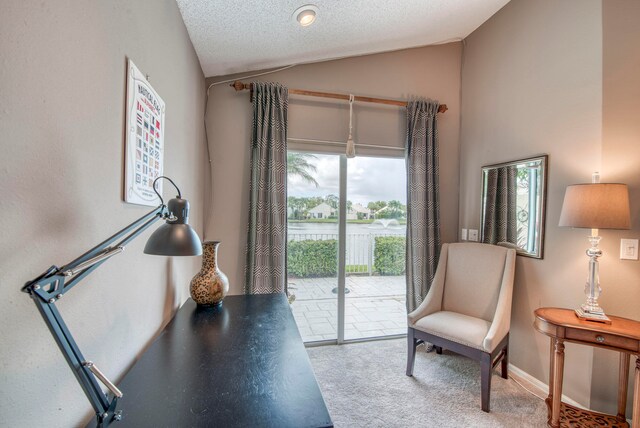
x=456, y=327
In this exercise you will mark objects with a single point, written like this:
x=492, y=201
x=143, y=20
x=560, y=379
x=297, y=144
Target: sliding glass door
x=346, y=246
x=375, y=248
x=313, y=238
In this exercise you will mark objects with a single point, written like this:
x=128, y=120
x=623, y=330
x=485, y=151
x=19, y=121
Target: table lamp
x=174, y=238
x=595, y=206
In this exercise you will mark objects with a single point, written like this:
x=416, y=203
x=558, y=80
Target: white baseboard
x=536, y=386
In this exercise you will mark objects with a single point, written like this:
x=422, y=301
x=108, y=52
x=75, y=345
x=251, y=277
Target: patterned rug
x=364, y=385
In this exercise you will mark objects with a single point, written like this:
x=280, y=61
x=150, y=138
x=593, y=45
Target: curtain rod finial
x=239, y=86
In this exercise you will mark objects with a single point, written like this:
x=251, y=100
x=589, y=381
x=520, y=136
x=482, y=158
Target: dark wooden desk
x=243, y=365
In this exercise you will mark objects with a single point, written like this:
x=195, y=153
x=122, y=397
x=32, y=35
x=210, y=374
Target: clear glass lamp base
x=592, y=288
x=589, y=316
x=592, y=309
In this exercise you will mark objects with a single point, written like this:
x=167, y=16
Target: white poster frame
x=144, y=151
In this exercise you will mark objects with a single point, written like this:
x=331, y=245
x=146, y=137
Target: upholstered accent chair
x=468, y=308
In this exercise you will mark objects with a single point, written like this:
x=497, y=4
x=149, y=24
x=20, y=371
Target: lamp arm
x=55, y=281
x=106, y=254
x=141, y=224
x=104, y=408
x=58, y=279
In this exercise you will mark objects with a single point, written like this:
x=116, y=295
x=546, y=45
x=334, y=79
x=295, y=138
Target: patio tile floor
x=375, y=306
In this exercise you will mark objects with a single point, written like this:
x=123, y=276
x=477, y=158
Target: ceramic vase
x=210, y=285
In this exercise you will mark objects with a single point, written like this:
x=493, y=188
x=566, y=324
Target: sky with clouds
x=368, y=179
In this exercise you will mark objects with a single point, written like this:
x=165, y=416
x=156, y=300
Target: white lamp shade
x=596, y=206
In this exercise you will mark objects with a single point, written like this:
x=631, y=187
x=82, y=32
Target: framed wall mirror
x=513, y=205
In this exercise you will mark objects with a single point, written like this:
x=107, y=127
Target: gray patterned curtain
x=500, y=221
x=267, y=237
x=423, y=207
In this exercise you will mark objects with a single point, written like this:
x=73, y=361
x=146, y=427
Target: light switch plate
x=628, y=249
x=463, y=235
x=473, y=235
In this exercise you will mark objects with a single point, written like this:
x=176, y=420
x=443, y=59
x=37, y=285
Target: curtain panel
x=267, y=230
x=500, y=221
x=423, y=207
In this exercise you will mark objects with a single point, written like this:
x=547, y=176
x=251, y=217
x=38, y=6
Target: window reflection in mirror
x=513, y=205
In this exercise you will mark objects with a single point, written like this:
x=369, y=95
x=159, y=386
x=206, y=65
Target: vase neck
x=210, y=256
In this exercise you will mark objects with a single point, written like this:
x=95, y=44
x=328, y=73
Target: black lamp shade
x=175, y=237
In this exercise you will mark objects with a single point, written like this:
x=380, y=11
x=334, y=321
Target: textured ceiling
x=233, y=36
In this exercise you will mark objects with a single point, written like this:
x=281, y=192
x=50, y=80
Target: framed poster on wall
x=144, y=141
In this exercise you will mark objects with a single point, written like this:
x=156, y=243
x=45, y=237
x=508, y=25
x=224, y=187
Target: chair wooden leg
x=485, y=381
x=505, y=363
x=411, y=351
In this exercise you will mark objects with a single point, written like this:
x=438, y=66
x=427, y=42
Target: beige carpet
x=364, y=385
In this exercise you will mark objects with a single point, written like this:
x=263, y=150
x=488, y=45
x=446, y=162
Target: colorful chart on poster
x=145, y=140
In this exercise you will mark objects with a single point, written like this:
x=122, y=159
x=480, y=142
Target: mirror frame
x=544, y=162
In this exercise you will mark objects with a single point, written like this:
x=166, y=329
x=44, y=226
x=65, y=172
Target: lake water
x=352, y=228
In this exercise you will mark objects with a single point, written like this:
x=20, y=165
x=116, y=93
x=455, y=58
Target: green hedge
x=312, y=258
x=389, y=255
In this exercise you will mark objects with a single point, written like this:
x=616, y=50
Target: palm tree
x=297, y=206
x=298, y=166
x=397, y=210
x=332, y=200
x=376, y=206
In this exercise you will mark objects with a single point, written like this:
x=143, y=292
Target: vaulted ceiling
x=233, y=36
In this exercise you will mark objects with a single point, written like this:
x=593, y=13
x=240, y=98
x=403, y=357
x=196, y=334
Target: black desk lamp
x=174, y=238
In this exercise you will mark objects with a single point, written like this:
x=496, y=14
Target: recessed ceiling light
x=305, y=15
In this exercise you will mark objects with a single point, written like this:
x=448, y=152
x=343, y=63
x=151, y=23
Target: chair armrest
x=502, y=318
x=433, y=300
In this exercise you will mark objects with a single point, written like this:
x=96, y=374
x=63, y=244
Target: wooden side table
x=622, y=335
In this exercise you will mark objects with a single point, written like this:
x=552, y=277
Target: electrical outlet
x=463, y=235
x=473, y=235
x=628, y=249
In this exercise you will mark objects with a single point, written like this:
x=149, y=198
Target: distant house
x=358, y=212
x=323, y=210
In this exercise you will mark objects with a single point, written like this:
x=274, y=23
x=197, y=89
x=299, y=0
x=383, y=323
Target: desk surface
x=242, y=365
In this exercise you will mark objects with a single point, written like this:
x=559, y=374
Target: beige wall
x=432, y=72
x=62, y=92
x=537, y=78
x=620, y=160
